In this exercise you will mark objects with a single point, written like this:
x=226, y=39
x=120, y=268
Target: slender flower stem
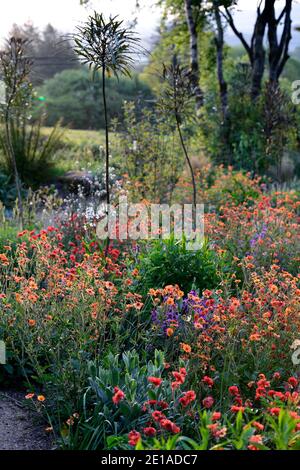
x=106, y=150
x=106, y=135
x=189, y=163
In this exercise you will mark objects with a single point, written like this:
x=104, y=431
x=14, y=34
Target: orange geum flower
x=90, y=291
x=273, y=289
x=138, y=305
x=31, y=322
x=41, y=398
x=109, y=285
x=4, y=260
x=186, y=348
x=255, y=337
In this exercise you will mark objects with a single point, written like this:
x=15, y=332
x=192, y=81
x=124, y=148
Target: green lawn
x=79, y=152
x=80, y=137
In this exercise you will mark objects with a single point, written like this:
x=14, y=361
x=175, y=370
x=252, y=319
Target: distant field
x=80, y=137
x=79, y=156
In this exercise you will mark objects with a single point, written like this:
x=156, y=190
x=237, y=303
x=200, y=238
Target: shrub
x=170, y=262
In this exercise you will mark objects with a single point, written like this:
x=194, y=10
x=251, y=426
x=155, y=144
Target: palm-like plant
x=176, y=99
x=109, y=47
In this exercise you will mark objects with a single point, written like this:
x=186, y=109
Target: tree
x=194, y=52
x=278, y=56
x=49, y=50
x=72, y=96
x=279, y=48
x=219, y=40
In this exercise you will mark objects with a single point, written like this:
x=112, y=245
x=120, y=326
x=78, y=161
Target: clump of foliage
x=170, y=262
x=34, y=152
x=259, y=135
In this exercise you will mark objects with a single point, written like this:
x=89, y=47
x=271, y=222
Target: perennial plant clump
x=118, y=357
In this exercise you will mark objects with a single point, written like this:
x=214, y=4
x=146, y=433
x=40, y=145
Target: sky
x=66, y=14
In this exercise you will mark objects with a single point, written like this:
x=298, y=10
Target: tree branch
x=240, y=35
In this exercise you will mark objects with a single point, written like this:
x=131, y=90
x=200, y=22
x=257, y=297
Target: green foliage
x=279, y=435
x=169, y=262
x=8, y=235
x=33, y=151
x=101, y=417
x=8, y=192
x=292, y=70
x=257, y=135
x=148, y=154
x=73, y=97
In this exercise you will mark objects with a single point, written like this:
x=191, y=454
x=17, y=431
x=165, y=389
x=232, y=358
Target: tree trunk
x=278, y=55
x=258, y=53
x=256, y=50
x=220, y=61
x=194, y=53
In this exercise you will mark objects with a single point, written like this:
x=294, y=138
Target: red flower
x=208, y=402
x=208, y=381
x=274, y=394
x=150, y=432
x=179, y=377
x=156, y=381
x=293, y=382
x=258, y=426
x=158, y=416
x=163, y=405
x=263, y=383
x=256, y=439
x=118, y=396
x=275, y=411
x=151, y=402
x=133, y=438
x=216, y=416
x=260, y=393
x=234, y=390
x=236, y=409
x=169, y=426
x=188, y=398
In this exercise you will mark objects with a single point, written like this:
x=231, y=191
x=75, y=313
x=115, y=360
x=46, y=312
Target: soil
x=20, y=429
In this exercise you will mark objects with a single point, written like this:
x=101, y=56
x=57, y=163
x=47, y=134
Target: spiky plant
x=176, y=99
x=109, y=47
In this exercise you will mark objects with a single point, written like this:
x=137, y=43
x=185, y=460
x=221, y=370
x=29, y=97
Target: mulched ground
x=20, y=429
